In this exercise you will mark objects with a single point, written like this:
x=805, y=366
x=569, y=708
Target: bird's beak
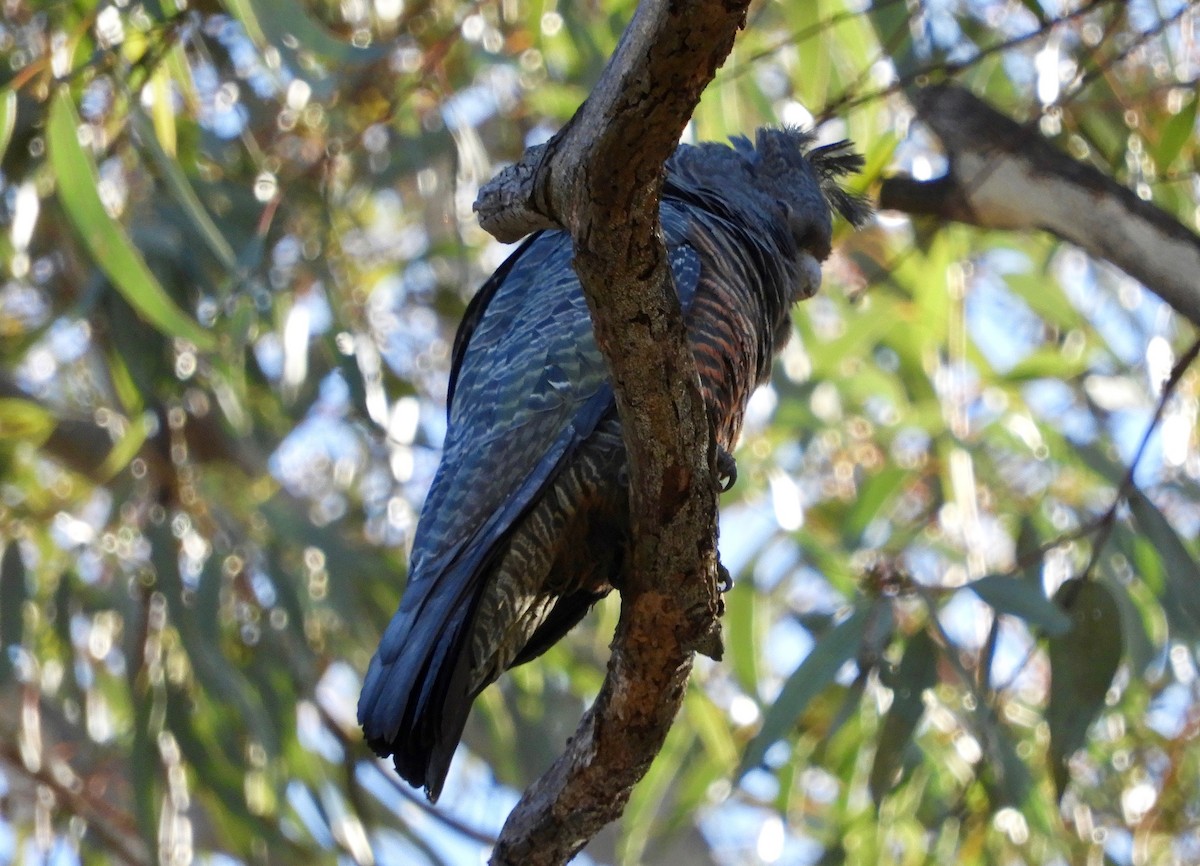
x=808, y=273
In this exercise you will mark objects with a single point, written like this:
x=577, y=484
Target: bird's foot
x=724, y=579
x=726, y=469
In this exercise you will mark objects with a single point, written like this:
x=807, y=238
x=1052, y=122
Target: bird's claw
x=724, y=579
x=726, y=469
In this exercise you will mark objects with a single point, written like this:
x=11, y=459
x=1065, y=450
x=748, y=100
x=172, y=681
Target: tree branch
x=600, y=179
x=1007, y=176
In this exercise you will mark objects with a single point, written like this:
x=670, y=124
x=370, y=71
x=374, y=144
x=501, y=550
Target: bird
x=526, y=523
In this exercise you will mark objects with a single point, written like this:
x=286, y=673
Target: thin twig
x=114, y=828
x=351, y=747
x=1103, y=525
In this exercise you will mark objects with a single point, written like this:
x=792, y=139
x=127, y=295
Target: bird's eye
x=809, y=235
x=811, y=239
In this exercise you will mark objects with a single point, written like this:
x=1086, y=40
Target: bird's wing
x=528, y=386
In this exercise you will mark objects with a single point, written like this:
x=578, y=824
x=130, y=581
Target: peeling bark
x=1007, y=176
x=600, y=179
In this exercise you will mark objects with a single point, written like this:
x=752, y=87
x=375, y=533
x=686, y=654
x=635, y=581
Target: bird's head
x=803, y=184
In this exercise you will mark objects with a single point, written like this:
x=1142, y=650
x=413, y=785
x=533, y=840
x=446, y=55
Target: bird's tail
x=417, y=695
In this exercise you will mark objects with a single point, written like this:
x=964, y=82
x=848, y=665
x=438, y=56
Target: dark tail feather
x=416, y=698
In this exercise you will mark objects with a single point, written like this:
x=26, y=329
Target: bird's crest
x=833, y=162
x=830, y=162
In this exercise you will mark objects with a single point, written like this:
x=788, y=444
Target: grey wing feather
x=528, y=386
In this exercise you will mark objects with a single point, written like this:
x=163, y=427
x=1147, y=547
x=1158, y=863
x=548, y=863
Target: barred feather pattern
x=526, y=524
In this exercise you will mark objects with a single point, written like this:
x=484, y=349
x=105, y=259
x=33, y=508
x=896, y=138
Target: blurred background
x=237, y=238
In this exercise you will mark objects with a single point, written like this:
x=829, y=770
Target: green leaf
x=215, y=673
x=1023, y=600
x=14, y=591
x=125, y=448
x=874, y=495
x=1049, y=363
x=24, y=420
x=917, y=672
x=1006, y=775
x=1140, y=649
x=109, y=245
x=740, y=626
x=1181, y=589
x=816, y=672
x=1083, y=663
x=712, y=727
x=181, y=190
x=1036, y=8
x=8, y=118
x=287, y=22
x=893, y=26
x=1042, y=292
x=1175, y=133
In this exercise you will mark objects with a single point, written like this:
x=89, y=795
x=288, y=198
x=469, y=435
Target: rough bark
x=600, y=179
x=1004, y=175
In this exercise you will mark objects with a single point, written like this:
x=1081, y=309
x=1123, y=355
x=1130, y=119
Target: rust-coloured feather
x=526, y=524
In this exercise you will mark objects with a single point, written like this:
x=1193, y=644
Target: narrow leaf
x=14, y=591
x=25, y=420
x=740, y=625
x=1140, y=649
x=181, y=190
x=109, y=245
x=1181, y=589
x=1083, y=663
x=1176, y=132
x=1007, y=777
x=816, y=672
x=917, y=672
x=289, y=23
x=876, y=493
x=1023, y=600
x=8, y=118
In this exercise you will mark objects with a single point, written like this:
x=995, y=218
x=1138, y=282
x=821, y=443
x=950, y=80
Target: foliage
x=239, y=240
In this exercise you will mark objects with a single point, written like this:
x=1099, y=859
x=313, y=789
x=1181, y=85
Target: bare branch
x=1007, y=176
x=112, y=828
x=600, y=178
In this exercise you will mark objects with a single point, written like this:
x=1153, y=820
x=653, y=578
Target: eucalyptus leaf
x=816, y=672
x=109, y=245
x=1083, y=663
x=916, y=673
x=1176, y=132
x=8, y=118
x=1181, y=571
x=1023, y=600
x=14, y=591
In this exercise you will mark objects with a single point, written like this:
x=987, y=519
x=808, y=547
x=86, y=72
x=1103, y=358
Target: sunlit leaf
x=741, y=630
x=1176, y=132
x=110, y=247
x=1047, y=364
x=125, y=448
x=8, y=118
x=1083, y=663
x=24, y=420
x=161, y=112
